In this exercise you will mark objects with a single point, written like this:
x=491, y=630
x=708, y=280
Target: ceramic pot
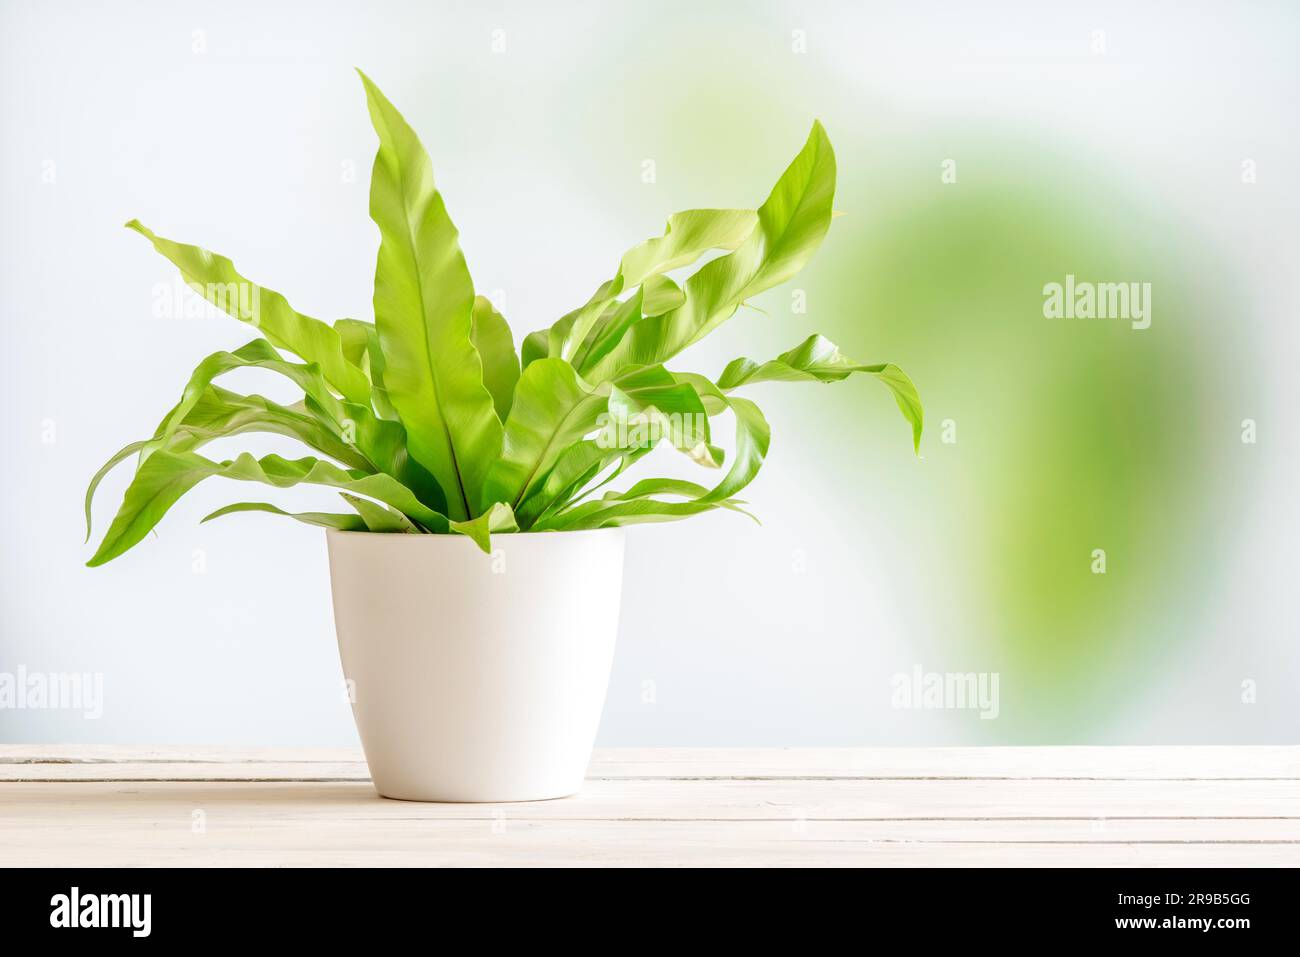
x=477, y=677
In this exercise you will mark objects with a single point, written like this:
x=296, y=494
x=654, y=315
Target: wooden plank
x=256, y=812
x=46, y=805
x=269, y=771
x=185, y=754
x=107, y=805
x=615, y=843
x=99, y=762
x=1084, y=763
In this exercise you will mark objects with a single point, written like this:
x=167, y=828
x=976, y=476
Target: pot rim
x=421, y=536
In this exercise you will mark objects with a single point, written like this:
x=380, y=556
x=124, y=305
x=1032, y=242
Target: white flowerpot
x=477, y=677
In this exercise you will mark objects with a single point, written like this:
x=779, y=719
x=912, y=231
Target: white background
x=244, y=146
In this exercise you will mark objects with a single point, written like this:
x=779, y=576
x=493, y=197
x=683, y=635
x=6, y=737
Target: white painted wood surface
x=1071, y=806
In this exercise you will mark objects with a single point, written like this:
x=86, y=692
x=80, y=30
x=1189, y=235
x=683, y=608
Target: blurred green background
x=1118, y=144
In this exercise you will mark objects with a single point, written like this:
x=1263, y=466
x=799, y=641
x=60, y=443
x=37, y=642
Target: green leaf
x=165, y=476
x=345, y=523
x=609, y=329
x=285, y=473
x=791, y=225
x=423, y=302
x=352, y=434
x=568, y=481
x=817, y=359
x=693, y=491
x=256, y=354
x=565, y=336
x=636, y=505
x=574, y=469
x=497, y=518
x=687, y=236
x=753, y=436
x=437, y=423
x=535, y=346
x=660, y=294
x=659, y=486
x=606, y=514
x=156, y=487
x=553, y=409
x=379, y=518
x=121, y=455
x=218, y=413
x=496, y=347
x=657, y=295
x=653, y=405
x=215, y=279
x=361, y=346
x=354, y=338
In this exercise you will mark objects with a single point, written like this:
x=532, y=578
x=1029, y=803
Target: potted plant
x=477, y=567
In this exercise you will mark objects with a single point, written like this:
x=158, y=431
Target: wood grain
x=95, y=806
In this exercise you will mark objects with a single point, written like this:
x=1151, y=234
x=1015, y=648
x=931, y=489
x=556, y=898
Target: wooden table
x=1070, y=806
